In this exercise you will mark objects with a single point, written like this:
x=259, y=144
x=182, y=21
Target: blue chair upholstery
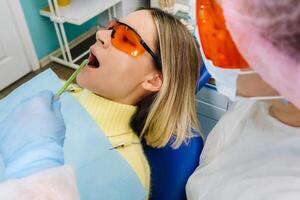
x=203, y=79
x=171, y=168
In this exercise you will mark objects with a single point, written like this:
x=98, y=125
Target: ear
x=153, y=82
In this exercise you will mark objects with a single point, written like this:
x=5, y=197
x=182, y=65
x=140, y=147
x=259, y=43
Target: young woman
x=139, y=83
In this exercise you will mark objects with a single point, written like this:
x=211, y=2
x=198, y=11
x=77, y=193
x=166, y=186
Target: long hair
x=170, y=114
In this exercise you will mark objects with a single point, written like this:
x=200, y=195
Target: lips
x=93, y=61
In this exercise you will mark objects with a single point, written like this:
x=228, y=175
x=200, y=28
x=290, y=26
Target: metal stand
x=58, y=22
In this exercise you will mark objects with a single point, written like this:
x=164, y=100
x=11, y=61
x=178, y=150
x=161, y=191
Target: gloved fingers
x=46, y=96
x=40, y=100
x=56, y=106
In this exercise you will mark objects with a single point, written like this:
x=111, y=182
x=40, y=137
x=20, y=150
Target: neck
x=287, y=114
x=134, y=98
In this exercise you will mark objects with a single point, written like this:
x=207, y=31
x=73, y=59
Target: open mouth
x=93, y=61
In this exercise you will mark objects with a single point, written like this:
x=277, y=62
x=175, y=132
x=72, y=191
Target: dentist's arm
x=57, y=183
x=32, y=136
x=31, y=141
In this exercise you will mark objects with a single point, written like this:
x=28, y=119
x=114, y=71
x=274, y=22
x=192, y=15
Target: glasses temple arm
x=153, y=55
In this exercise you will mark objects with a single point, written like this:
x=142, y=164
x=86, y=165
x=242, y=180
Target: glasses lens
x=127, y=40
x=216, y=41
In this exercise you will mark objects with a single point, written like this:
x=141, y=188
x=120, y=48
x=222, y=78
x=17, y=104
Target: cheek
x=128, y=68
x=136, y=73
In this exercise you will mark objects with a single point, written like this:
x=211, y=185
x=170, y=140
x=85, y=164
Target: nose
x=103, y=37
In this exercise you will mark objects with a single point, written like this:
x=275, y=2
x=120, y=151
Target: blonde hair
x=170, y=115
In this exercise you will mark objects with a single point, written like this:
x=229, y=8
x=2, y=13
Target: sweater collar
x=113, y=117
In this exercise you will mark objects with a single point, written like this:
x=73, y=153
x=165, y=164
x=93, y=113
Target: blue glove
x=32, y=136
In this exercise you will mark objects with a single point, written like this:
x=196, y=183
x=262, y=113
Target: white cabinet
x=154, y=3
x=77, y=13
x=131, y=5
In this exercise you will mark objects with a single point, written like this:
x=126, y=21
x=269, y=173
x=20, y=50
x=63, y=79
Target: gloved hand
x=32, y=136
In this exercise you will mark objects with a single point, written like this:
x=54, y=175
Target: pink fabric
x=267, y=33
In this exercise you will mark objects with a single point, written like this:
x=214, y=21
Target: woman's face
x=121, y=77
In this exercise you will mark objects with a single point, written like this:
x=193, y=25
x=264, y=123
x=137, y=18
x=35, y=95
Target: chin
x=85, y=82
x=80, y=80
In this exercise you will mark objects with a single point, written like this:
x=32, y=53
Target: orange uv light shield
x=216, y=40
x=127, y=40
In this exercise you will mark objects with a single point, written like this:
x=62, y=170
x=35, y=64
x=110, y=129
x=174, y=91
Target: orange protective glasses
x=126, y=39
x=216, y=41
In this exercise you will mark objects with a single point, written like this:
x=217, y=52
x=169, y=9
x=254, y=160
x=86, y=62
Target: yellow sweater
x=114, y=119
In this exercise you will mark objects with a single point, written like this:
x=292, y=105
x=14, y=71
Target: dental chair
x=203, y=79
x=171, y=168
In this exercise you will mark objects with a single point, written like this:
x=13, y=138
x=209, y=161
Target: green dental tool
x=70, y=80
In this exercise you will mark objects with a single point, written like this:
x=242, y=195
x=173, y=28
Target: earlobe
x=153, y=83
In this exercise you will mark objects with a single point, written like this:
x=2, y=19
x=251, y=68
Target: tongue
x=93, y=62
